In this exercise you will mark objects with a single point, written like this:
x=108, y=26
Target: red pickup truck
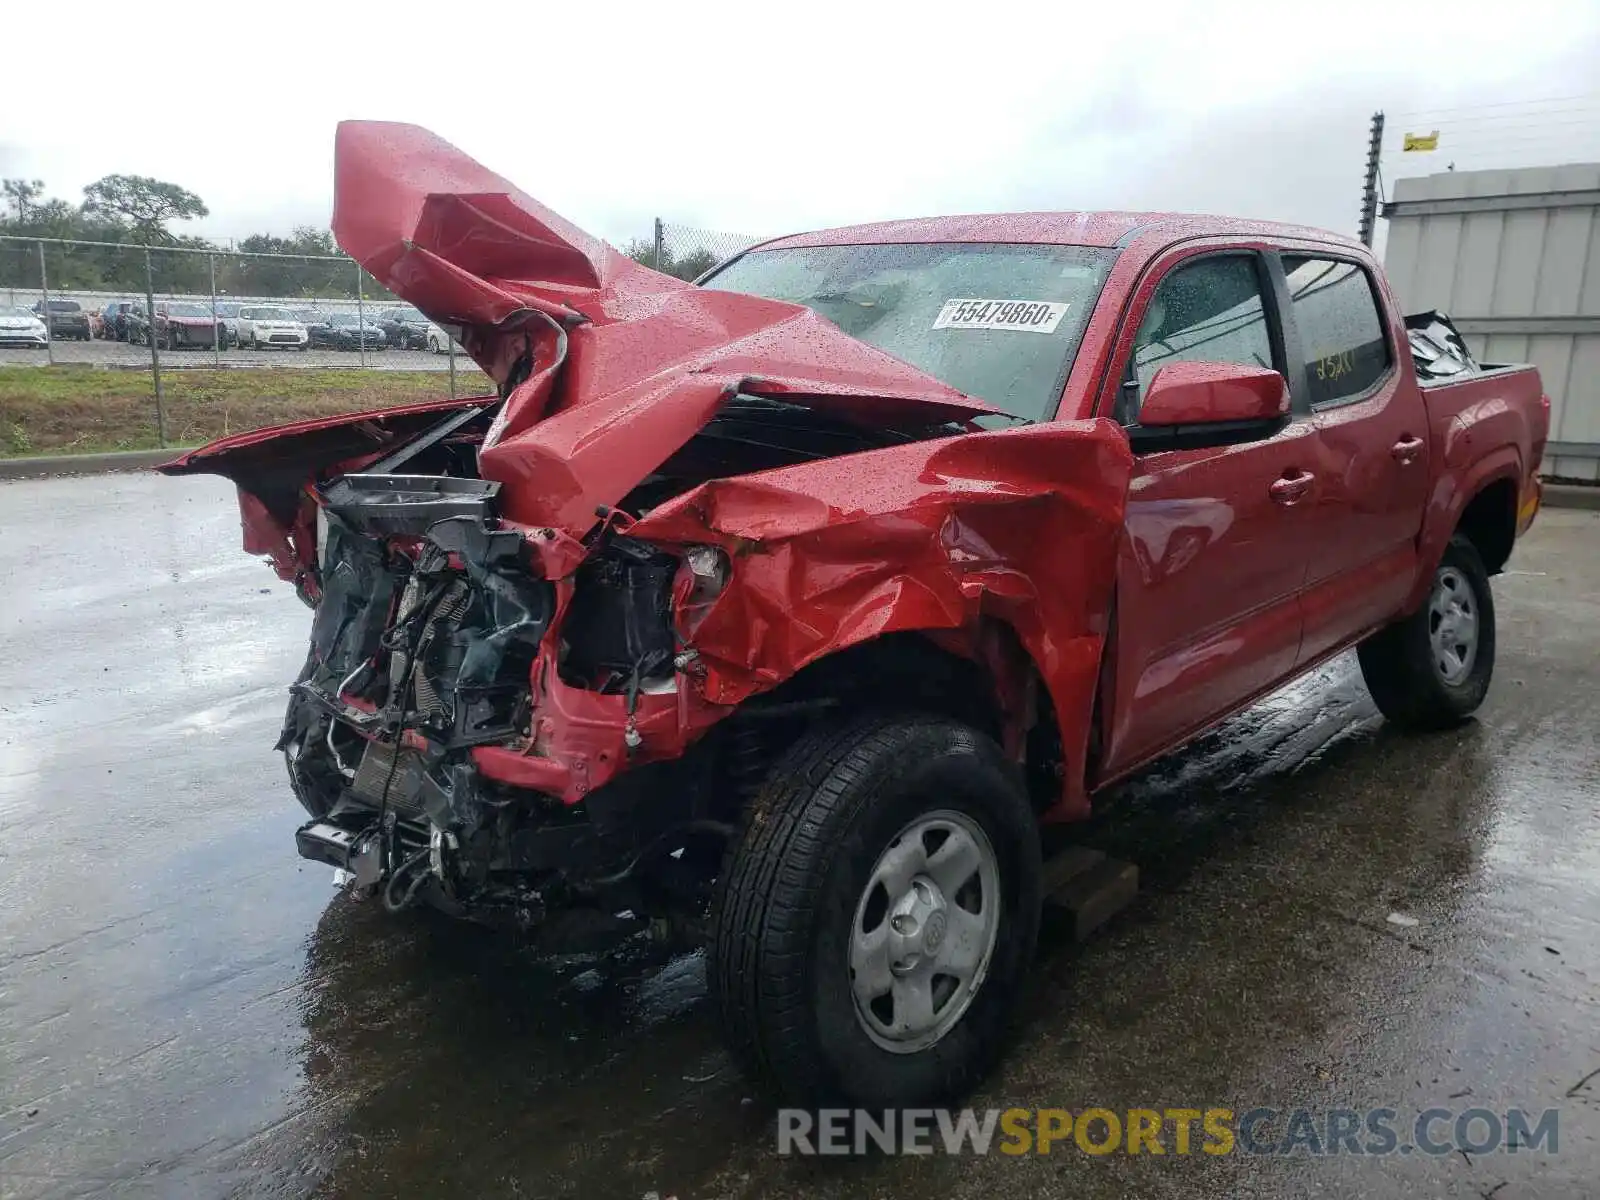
x=777, y=611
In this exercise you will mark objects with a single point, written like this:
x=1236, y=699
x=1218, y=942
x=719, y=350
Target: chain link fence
x=686, y=252
x=180, y=323
x=184, y=298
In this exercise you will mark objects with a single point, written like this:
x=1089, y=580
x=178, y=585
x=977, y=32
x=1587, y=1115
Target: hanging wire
x=1588, y=98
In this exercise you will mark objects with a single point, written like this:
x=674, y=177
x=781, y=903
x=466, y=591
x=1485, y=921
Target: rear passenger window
x=1341, y=329
x=1208, y=311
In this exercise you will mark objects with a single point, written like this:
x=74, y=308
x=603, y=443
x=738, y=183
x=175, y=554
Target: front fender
x=1018, y=525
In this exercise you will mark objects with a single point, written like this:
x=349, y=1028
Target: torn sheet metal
x=1020, y=525
x=608, y=366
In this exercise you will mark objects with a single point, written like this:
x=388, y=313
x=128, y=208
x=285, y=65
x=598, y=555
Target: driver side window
x=1210, y=310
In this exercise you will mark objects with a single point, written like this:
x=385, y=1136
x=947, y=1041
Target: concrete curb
x=46, y=466
x=1572, y=495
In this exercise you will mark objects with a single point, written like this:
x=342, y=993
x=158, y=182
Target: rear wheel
x=1432, y=669
x=874, y=920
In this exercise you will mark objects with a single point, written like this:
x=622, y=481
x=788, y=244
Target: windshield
x=273, y=314
x=227, y=310
x=343, y=319
x=409, y=316
x=999, y=322
x=187, y=310
x=64, y=306
x=17, y=312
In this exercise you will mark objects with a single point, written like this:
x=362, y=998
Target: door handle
x=1406, y=450
x=1291, y=489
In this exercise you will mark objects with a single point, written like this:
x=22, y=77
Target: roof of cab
x=1051, y=229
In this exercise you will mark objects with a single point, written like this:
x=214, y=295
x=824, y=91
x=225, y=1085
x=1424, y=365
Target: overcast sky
x=767, y=118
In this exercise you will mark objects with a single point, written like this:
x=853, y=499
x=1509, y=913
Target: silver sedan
x=21, y=327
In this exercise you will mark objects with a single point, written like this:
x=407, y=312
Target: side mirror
x=1190, y=405
x=1204, y=393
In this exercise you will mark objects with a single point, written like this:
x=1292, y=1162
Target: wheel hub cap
x=1453, y=626
x=925, y=928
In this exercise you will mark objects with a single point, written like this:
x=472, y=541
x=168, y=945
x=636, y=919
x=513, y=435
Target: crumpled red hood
x=610, y=366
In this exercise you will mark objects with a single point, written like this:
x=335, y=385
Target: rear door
x=1210, y=572
x=1372, y=448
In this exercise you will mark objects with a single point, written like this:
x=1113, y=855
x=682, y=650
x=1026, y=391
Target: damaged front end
x=427, y=647
x=562, y=632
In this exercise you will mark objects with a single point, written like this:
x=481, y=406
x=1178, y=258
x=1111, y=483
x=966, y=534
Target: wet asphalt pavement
x=188, y=1010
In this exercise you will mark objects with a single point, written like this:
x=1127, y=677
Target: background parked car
x=263, y=325
x=228, y=318
x=316, y=323
x=20, y=327
x=346, y=331
x=67, y=319
x=439, y=342
x=114, y=320
x=179, y=324
x=405, y=327
x=135, y=325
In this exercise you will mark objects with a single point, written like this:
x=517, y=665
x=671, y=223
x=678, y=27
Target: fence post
x=450, y=344
x=216, y=328
x=155, y=355
x=361, y=318
x=656, y=246
x=49, y=330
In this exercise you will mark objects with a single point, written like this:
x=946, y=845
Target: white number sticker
x=1029, y=316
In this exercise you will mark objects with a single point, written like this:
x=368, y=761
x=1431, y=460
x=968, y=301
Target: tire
x=1422, y=679
x=803, y=879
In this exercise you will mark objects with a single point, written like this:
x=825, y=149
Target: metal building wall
x=1514, y=258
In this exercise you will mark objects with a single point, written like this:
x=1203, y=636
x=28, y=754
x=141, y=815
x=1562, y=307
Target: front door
x=1211, y=569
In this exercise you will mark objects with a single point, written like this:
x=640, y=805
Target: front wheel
x=875, y=917
x=1432, y=669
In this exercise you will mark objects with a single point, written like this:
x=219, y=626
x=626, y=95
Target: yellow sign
x=1421, y=141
